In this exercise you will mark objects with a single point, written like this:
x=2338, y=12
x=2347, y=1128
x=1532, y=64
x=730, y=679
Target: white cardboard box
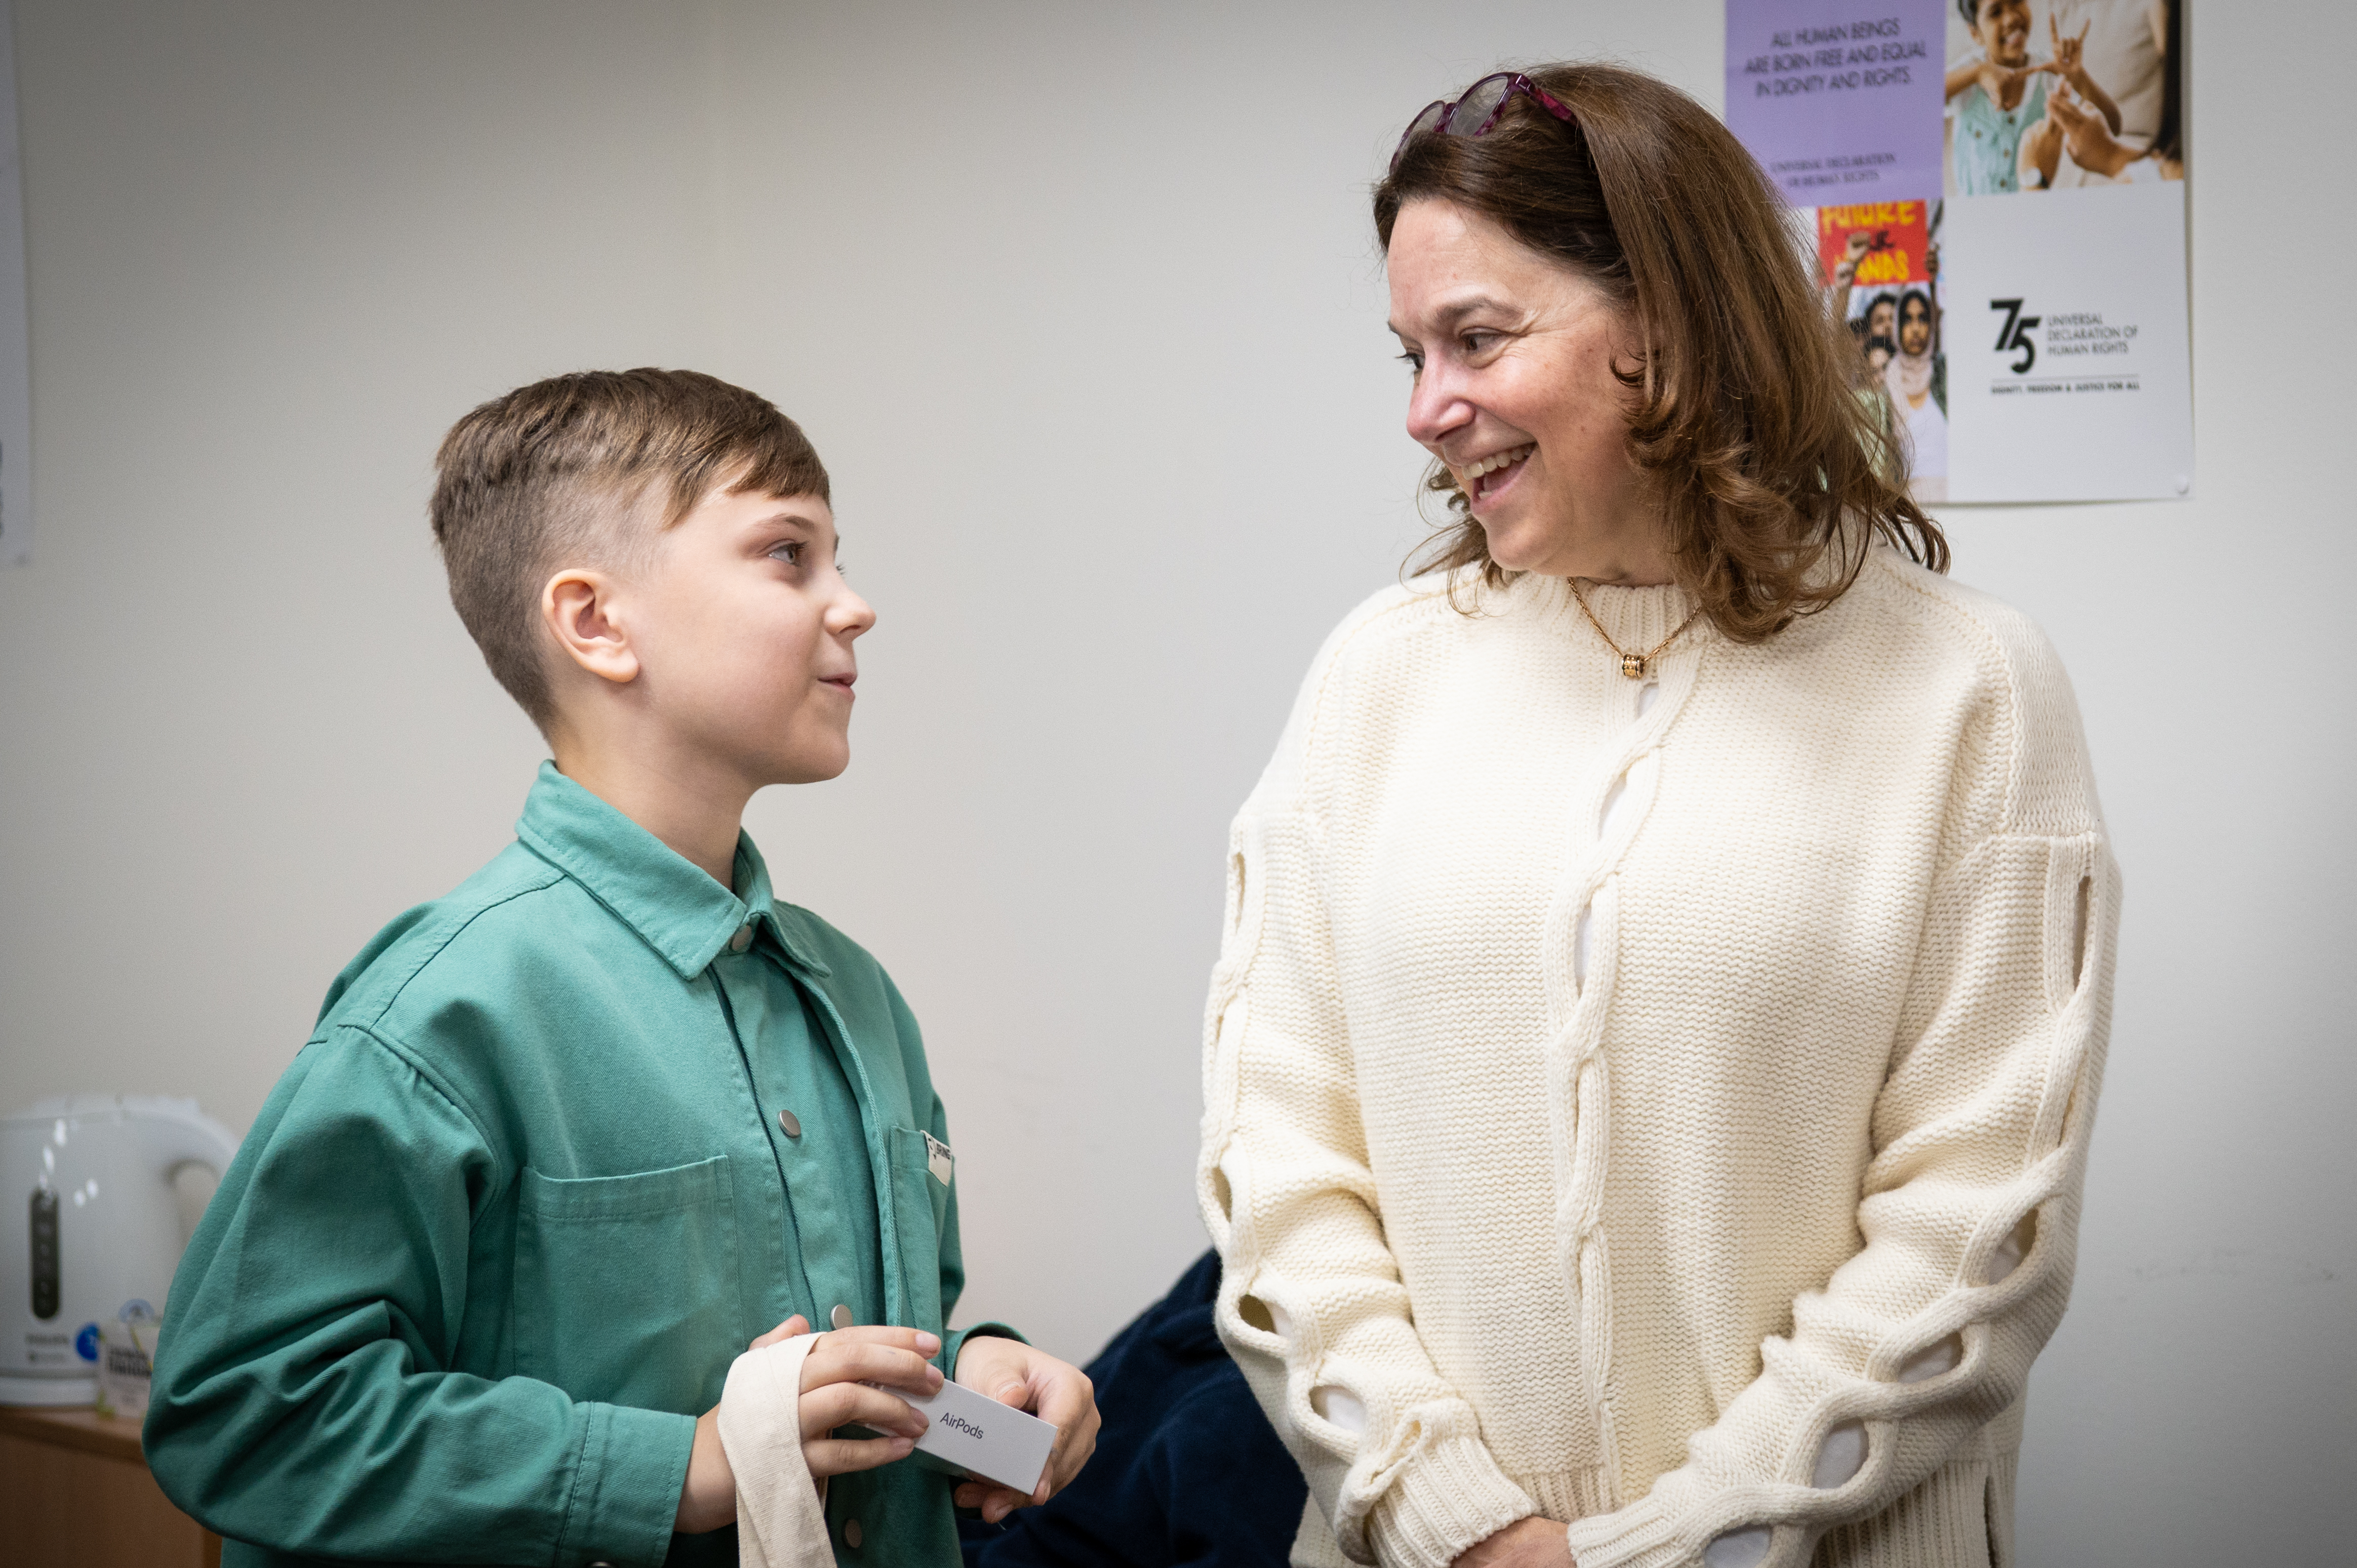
x=975, y=1433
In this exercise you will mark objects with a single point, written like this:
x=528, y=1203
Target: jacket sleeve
x=301, y=1400
x=1969, y=1205
x=1309, y=1286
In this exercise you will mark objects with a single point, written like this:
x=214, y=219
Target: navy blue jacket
x=1187, y=1473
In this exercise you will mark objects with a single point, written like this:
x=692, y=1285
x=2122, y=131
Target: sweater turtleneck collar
x=1637, y=619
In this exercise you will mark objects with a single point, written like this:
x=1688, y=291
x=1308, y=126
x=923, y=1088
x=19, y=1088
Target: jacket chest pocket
x=626, y=1286
x=920, y=1207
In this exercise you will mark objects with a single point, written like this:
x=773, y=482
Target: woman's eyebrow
x=1450, y=315
x=1473, y=305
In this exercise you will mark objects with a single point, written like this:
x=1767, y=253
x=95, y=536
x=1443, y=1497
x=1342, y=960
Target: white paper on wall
x=15, y=372
x=2068, y=367
x=2037, y=350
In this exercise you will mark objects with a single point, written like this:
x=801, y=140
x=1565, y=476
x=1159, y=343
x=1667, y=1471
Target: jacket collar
x=669, y=901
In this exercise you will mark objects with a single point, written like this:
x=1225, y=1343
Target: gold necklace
x=1633, y=665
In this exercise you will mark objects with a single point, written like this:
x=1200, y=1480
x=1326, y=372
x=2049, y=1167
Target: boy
x=566, y=1139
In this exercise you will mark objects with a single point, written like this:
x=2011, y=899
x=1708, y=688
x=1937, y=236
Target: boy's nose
x=850, y=616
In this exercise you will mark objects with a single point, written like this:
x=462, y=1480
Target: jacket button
x=840, y=1318
x=742, y=939
x=790, y=1125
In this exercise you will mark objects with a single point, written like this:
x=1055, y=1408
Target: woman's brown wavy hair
x=1775, y=468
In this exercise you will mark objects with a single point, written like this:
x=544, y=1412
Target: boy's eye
x=1414, y=361
x=791, y=552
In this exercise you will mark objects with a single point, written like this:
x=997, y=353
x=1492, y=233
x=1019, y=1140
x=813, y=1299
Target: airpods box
x=992, y=1441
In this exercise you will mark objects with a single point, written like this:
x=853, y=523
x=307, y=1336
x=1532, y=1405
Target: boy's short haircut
x=564, y=472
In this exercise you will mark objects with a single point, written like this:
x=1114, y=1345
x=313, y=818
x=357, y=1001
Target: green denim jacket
x=526, y=1193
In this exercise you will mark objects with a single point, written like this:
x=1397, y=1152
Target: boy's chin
x=808, y=765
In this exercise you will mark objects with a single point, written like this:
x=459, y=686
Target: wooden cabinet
x=75, y=1492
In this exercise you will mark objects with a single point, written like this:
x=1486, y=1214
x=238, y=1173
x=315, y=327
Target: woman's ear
x=580, y=610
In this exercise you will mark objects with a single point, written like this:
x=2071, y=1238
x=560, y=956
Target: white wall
x=1081, y=305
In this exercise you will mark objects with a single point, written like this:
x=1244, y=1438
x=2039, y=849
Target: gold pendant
x=1633, y=666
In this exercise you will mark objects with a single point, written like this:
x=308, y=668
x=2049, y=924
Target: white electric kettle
x=89, y=1224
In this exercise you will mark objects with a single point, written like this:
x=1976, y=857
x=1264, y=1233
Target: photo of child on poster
x=1882, y=268
x=2000, y=227
x=2060, y=95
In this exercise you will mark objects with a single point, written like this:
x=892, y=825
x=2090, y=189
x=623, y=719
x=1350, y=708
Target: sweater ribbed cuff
x=626, y=1490
x=1944, y=1520
x=1639, y=1536
x=1447, y=1500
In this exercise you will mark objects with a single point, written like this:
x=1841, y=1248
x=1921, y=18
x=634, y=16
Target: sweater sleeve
x=1311, y=1302
x=1969, y=1205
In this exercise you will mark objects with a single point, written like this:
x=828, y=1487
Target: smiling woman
x=1667, y=969
x=1650, y=272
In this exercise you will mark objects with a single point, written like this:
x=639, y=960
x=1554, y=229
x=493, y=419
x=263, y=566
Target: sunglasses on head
x=1474, y=113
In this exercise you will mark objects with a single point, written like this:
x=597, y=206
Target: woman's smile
x=1516, y=354
x=1486, y=478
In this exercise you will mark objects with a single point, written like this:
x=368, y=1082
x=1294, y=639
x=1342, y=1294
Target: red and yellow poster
x=1883, y=241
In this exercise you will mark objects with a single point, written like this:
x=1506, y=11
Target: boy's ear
x=578, y=605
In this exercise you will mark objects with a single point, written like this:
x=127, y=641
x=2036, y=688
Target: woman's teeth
x=1497, y=460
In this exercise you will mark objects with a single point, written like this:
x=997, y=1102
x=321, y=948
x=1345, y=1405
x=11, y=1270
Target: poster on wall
x=1997, y=193
x=16, y=372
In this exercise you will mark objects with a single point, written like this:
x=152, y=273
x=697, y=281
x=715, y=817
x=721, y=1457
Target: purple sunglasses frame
x=1515, y=82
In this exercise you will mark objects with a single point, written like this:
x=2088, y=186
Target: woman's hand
x=2091, y=144
x=1012, y=1373
x=832, y=1396
x=1531, y=1542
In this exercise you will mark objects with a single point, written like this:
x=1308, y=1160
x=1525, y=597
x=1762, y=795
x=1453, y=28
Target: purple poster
x=1995, y=197
x=1839, y=99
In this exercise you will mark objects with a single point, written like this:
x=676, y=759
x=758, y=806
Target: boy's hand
x=836, y=1376
x=832, y=1396
x=1013, y=1373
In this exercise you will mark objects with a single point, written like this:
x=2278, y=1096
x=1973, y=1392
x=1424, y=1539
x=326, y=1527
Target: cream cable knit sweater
x=1662, y=1109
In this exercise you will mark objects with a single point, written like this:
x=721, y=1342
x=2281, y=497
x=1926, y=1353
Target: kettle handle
x=173, y=1135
